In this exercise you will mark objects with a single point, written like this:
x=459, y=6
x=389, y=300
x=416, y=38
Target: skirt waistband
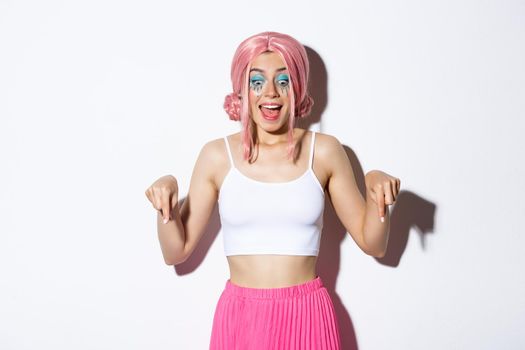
x=272, y=293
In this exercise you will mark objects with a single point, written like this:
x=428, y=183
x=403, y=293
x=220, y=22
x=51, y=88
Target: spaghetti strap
x=229, y=151
x=312, y=143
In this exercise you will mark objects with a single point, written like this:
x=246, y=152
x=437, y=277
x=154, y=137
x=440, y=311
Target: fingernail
x=165, y=220
x=382, y=219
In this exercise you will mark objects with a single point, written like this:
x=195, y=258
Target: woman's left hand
x=383, y=189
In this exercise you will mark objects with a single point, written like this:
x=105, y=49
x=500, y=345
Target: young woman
x=270, y=182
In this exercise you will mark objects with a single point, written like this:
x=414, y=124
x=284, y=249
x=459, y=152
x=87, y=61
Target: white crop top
x=284, y=218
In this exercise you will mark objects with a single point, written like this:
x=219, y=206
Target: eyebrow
x=262, y=70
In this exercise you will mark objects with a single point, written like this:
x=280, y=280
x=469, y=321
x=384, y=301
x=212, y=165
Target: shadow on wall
x=409, y=211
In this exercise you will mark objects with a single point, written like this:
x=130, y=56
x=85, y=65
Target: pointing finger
x=166, y=209
x=393, y=186
x=380, y=200
x=389, y=198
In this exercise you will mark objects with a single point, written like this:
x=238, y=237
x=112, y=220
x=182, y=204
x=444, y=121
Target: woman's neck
x=271, y=139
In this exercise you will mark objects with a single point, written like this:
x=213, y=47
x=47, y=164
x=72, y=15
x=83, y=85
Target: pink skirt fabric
x=296, y=317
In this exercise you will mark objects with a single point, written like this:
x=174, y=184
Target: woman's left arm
x=381, y=190
x=367, y=221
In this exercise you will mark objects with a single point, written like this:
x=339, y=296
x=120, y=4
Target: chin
x=274, y=127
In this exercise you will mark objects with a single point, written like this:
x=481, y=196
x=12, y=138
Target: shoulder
x=326, y=145
x=214, y=152
x=213, y=147
x=328, y=151
x=213, y=159
x=216, y=145
x=326, y=141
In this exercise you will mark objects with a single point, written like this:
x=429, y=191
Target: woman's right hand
x=163, y=195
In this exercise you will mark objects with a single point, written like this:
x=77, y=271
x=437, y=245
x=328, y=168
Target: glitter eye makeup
x=258, y=81
x=283, y=82
x=256, y=84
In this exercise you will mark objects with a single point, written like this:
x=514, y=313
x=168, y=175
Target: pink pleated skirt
x=299, y=317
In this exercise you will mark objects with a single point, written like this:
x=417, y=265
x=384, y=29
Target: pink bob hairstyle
x=294, y=56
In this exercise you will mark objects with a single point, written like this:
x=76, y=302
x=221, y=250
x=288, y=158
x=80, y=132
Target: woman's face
x=268, y=94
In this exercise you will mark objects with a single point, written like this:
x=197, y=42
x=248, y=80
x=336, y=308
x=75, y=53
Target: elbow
x=175, y=257
x=175, y=261
x=169, y=262
x=376, y=253
x=379, y=254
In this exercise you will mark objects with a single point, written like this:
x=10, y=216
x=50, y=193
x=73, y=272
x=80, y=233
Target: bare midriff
x=271, y=271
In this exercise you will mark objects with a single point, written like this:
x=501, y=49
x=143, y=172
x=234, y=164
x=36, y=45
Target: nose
x=271, y=90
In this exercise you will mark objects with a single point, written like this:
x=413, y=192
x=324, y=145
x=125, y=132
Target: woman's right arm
x=180, y=235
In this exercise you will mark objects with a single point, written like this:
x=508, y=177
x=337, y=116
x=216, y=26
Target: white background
x=100, y=98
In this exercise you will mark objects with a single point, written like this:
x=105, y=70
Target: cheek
x=284, y=90
x=252, y=101
x=253, y=98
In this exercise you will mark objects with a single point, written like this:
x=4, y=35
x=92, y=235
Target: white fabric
x=271, y=217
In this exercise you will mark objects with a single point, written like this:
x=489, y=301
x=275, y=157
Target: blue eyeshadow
x=257, y=78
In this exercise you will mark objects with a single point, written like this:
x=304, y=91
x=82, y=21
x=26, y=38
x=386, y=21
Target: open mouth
x=270, y=111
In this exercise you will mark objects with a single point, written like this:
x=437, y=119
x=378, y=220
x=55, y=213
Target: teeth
x=271, y=107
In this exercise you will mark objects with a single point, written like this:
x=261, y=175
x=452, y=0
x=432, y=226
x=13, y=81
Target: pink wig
x=294, y=56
